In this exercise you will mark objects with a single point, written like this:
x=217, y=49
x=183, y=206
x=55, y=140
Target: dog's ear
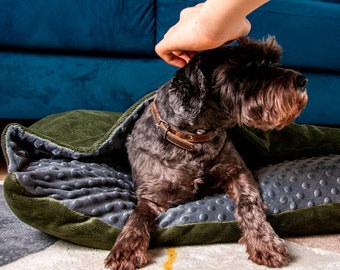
x=263, y=51
x=188, y=86
x=182, y=98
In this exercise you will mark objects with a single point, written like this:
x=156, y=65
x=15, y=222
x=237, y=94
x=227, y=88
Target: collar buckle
x=163, y=127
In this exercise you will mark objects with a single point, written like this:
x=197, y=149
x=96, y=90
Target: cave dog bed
x=69, y=177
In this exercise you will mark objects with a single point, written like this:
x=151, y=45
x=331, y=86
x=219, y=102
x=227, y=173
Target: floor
x=328, y=242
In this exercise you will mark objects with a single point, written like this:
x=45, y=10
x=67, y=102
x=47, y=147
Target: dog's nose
x=301, y=82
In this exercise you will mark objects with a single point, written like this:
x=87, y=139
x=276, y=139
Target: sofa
x=64, y=55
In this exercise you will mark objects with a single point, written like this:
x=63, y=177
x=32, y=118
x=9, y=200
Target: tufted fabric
x=71, y=171
x=100, y=191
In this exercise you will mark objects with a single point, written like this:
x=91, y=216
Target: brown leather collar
x=179, y=138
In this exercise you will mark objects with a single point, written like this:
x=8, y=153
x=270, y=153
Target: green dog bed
x=69, y=177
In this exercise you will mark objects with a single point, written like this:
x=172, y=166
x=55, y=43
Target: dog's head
x=231, y=85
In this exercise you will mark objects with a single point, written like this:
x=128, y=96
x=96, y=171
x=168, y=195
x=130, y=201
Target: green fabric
x=80, y=130
x=259, y=148
x=321, y=219
x=91, y=232
x=85, y=131
x=51, y=217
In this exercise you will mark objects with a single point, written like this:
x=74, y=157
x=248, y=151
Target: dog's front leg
x=130, y=250
x=263, y=244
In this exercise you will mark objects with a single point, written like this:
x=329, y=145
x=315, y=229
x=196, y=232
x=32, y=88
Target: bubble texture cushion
x=69, y=177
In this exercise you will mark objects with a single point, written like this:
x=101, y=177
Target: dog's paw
x=119, y=259
x=271, y=253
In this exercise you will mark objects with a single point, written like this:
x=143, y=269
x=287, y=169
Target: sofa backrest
x=110, y=26
x=306, y=29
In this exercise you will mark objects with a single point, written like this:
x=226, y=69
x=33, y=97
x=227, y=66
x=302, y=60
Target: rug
x=22, y=247
x=17, y=239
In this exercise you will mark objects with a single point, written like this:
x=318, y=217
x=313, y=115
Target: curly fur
x=218, y=89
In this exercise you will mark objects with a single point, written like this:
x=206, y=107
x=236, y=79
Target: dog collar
x=182, y=139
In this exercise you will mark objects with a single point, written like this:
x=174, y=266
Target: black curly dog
x=179, y=149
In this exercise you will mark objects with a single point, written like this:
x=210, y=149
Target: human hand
x=194, y=33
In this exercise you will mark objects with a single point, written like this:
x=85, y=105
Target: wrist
x=214, y=33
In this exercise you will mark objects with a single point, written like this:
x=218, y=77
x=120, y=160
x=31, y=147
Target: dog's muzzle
x=182, y=139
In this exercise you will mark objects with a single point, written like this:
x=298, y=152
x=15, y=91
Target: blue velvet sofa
x=60, y=55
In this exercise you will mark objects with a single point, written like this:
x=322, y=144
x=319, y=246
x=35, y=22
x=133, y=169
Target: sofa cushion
x=35, y=85
x=101, y=26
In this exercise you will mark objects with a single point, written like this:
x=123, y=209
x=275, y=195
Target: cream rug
x=64, y=255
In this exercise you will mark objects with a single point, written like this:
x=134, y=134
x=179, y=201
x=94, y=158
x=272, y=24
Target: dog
x=179, y=149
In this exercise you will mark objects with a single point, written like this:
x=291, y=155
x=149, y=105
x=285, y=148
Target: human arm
x=205, y=26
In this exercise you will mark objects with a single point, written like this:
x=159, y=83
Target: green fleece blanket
x=69, y=176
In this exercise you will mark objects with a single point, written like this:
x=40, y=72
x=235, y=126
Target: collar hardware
x=182, y=139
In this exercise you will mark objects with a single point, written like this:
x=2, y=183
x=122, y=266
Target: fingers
x=175, y=58
x=245, y=29
x=185, y=55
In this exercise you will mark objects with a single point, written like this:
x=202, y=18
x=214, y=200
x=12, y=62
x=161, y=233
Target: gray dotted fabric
x=219, y=208
x=98, y=190
x=301, y=183
x=16, y=137
x=92, y=189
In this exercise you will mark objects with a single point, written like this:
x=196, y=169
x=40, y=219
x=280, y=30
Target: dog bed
x=69, y=177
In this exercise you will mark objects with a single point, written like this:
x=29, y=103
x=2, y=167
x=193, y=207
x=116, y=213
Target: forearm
x=217, y=13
